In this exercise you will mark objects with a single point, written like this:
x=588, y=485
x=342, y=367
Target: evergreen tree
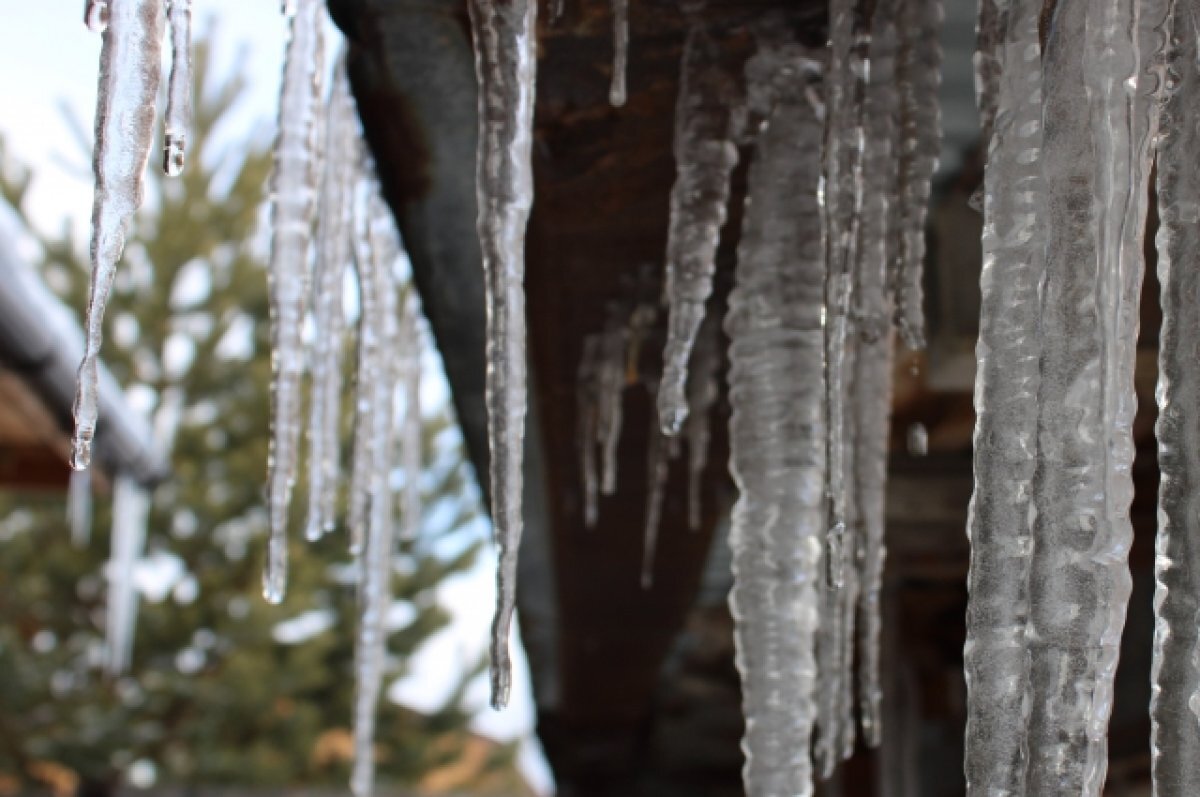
x=214, y=695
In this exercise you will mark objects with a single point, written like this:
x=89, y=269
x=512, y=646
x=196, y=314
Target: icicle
x=620, y=12
x=79, y=507
x=410, y=430
x=587, y=412
x=506, y=65
x=376, y=561
x=871, y=404
x=917, y=438
x=293, y=200
x=179, y=87
x=918, y=73
x=1006, y=404
x=706, y=126
x=1175, y=672
x=334, y=247
x=776, y=458
x=131, y=504
x=611, y=389
x=702, y=394
x=1095, y=168
x=129, y=77
x=657, y=466
x=95, y=15
x=845, y=96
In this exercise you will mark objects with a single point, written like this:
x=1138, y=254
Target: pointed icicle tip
x=81, y=450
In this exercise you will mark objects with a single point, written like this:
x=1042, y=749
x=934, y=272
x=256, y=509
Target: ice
x=702, y=394
x=95, y=15
x=293, y=202
x=1006, y=404
x=777, y=428
x=657, y=467
x=706, y=127
x=335, y=231
x=505, y=64
x=918, y=73
x=129, y=78
x=79, y=507
x=610, y=380
x=410, y=424
x=130, y=507
x=1175, y=672
x=620, y=12
x=179, y=87
x=1095, y=168
x=917, y=438
x=871, y=404
x=587, y=418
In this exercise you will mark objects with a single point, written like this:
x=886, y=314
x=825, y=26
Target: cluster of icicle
x=319, y=165
x=1080, y=106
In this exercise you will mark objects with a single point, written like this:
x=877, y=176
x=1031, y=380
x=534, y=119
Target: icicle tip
x=174, y=154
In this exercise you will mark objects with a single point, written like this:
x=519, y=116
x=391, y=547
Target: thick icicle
x=702, y=394
x=375, y=564
x=706, y=126
x=129, y=78
x=991, y=37
x=871, y=404
x=1007, y=377
x=918, y=73
x=179, y=87
x=777, y=458
x=610, y=381
x=1095, y=166
x=293, y=201
x=79, y=507
x=334, y=247
x=587, y=412
x=845, y=95
x=506, y=65
x=620, y=12
x=410, y=424
x=131, y=505
x=1175, y=672
x=657, y=466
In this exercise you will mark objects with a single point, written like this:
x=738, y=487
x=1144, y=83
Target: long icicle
x=179, y=87
x=657, y=467
x=1007, y=379
x=130, y=507
x=587, y=418
x=506, y=64
x=334, y=248
x=702, y=394
x=610, y=380
x=294, y=197
x=776, y=457
x=871, y=404
x=129, y=78
x=620, y=65
x=1175, y=671
x=706, y=126
x=411, y=426
x=1096, y=163
x=918, y=72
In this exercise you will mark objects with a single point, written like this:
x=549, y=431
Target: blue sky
x=48, y=60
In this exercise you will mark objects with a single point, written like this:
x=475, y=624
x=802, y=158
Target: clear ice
x=129, y=77
x=179, y=87
x=706, y=127
x=130, y=507
x=506, y=66
x=294, y=186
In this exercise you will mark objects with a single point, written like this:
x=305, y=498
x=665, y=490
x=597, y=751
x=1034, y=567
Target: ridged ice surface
x=871, y=403
x=294, y=186
x=1175, y=672
x=706, y=126
x=130, y=508
x=1095, y=166
x=179, y=87
x=777, y=458
x=129, y=79
x=918, y=74
x=376, y=561
x=506, y=64
x=334, y=247
x=1006, y=405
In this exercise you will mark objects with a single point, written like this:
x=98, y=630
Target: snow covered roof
x=41, y=341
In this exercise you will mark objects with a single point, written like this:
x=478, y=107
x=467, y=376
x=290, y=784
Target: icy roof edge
x=41, y=340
